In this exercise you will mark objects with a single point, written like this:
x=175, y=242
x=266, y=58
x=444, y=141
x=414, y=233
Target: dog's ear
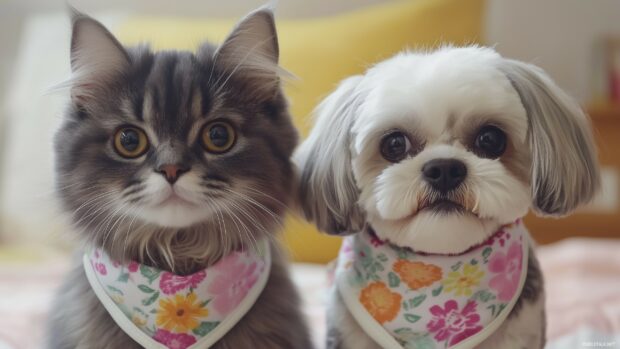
x=564, y=168
x=327, y=191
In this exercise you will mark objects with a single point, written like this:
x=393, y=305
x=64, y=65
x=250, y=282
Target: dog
x=428, y=161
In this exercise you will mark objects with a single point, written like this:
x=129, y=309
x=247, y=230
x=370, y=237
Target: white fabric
x=161, y=310
x=404, y=299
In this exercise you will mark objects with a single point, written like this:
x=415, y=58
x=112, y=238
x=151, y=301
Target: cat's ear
x=252, y=49
x=97, y=58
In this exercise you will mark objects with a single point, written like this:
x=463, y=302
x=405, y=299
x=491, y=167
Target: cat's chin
x=174, y=215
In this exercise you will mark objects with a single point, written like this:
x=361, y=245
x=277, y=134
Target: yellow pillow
x=323, y=51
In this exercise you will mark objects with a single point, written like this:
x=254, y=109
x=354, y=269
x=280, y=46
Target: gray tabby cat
x=175, y=159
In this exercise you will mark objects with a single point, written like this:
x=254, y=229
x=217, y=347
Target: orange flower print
x=417, y=274
x=381, y=303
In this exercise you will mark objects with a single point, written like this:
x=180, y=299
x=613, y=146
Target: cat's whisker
x=261, y=207
x=95, y=198
x=95, y=211
x=267, y=196
x=246, y=229
x=107, y=232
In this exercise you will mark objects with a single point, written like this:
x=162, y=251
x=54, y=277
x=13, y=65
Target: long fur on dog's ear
x=327, y=192
x=564, y=169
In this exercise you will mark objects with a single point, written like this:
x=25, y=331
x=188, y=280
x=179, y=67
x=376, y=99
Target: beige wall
x=558, y=35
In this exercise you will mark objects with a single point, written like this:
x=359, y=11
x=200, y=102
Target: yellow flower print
x=180, y=314
x=118, y=299
x=461, y=283
x=138, y=319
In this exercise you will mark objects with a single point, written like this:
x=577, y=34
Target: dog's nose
x=444, y=174
x=172, y=172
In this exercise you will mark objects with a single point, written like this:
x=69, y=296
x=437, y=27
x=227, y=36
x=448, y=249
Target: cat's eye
x=490, y=142
x=218, y=137
x=395, y=146
x=130, y=142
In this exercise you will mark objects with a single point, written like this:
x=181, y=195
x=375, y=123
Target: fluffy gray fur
x=564, y=168
x=247, y=190
x=327, y=189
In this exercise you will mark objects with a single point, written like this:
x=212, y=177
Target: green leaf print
x=115, y=290
x=492, y=307
x=205, y=327
x=148, y=301
x=418, y=300
x=123, y=277
x=456, y=266
x=404, y=254
x=393, y=279
x=437, y=291
x=355, y=279
x=205, y=303
x=412, y=318
x=145, y=289
x=138, y=310
x=413, y=340
x=486, y=253
x=501, y=307
x=150, y=330
x=382, y=257
x=483, y=295
x=473, y=261
x=149, y=273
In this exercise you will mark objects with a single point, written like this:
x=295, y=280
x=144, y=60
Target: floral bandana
x=161, y=310
x=404, y=299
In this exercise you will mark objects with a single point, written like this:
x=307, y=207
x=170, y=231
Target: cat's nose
x=172, y=172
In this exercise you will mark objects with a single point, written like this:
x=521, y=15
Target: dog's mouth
x=442, y=206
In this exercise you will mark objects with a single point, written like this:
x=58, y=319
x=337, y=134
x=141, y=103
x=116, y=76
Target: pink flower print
x=501, y=235
x=171, y=283
x=453, y=325
x=133, y=267
x=100, y=268
x=375, y=241
x=235, y=278
x=507, y=266
x=174, y=341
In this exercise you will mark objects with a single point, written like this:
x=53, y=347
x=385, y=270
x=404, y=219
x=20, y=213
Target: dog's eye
x=490, y=142
x=395, y=146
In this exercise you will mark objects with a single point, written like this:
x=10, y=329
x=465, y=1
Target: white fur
x=177, y=206
x=419, y=94
x=440, y=100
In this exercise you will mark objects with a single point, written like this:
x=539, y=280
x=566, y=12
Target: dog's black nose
x=444, y=174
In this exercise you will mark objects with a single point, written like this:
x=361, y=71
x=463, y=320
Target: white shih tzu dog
x=430, y=160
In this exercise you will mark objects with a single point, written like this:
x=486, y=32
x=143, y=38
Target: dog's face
x=439, y=150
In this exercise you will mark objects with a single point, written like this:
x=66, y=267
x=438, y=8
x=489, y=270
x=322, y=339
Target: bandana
x=403, y=299
x=161, y=310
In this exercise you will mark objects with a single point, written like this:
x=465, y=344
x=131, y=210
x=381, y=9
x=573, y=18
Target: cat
x=174, y=160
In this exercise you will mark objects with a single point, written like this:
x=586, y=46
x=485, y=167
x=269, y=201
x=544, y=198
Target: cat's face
x=175, y=139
